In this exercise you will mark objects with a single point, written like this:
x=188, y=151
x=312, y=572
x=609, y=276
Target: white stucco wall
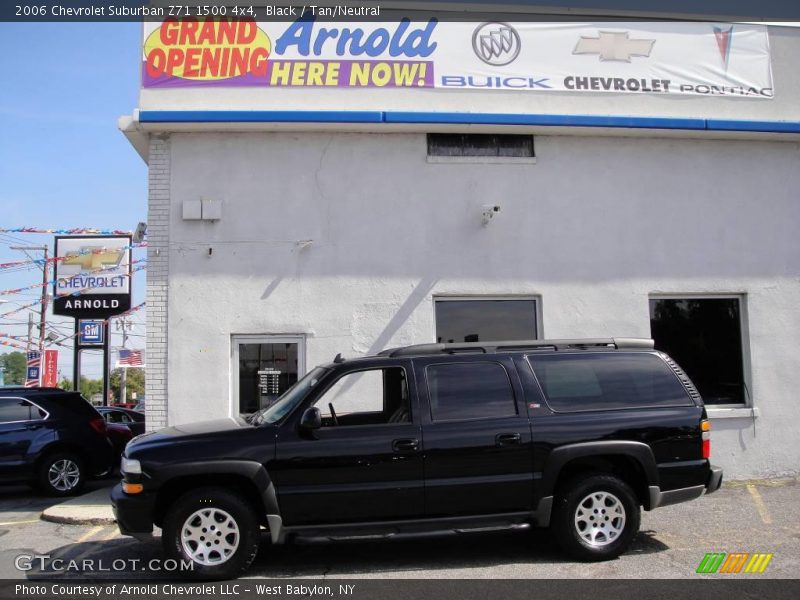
x=593, y=228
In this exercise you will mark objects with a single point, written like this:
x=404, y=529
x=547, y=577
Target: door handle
x=507, y=439
x=405, y=445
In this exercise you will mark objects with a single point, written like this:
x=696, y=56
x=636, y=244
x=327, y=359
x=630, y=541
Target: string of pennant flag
x=55, y=259
x=75, y=231
x=78, y=292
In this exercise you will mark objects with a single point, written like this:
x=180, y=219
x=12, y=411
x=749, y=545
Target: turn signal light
x=132, y=488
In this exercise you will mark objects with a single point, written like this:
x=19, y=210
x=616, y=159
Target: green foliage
x=15, y=366
x=134, y=383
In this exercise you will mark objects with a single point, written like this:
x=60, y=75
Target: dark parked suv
x=576, y=435
x=51, y=438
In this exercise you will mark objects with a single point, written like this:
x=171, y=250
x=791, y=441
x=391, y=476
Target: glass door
x=263, y=368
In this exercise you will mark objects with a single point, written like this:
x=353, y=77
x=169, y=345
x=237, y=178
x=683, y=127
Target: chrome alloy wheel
x=210, y=536
x=64, y=474
x=600, y=518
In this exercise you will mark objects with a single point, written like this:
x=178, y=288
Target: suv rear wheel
x=61, y=474
x=596, y=517
x=215, y=530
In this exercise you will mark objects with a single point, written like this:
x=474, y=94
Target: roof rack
x=519, y=346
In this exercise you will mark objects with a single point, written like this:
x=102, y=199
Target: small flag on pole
x=130, y=358
x=33, y=369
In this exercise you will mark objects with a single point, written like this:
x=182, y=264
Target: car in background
x=119, y=435
x=126, y=417
x=51, y=438
x=139, y=406
x=130, y=405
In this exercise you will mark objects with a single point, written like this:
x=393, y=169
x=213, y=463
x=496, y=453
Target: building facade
x=289, y=224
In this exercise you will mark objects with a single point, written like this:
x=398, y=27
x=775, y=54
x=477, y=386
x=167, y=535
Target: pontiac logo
x=616, y=46
x=496, y=44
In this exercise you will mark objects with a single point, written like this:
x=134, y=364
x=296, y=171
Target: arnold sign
x=92, y=276
x=708, y=59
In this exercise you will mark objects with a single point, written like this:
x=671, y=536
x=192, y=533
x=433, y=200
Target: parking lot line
x=110, y=536
x=90, y=533
x=19, y=522
x=759, y=502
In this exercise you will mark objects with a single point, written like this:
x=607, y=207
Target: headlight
x=130, y=466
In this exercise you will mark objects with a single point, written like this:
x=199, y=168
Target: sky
x=63, y=162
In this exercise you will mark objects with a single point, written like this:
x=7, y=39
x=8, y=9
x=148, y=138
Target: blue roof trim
x=545, y=120
x=767, y=126
x=400, y=117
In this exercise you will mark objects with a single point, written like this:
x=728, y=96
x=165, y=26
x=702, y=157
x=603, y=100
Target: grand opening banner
x=711, y=59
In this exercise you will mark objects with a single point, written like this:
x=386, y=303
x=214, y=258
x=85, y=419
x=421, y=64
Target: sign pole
x=76, y=360
x=106, y=365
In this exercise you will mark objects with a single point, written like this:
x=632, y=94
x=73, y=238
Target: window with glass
x=264, y=369
x=486, y=319
x=13, y=410
x=474, y=390
x=704, y=336
x=370, y=397
x=602, y=381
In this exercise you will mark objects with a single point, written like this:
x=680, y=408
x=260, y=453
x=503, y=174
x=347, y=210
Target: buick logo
x=496, y=44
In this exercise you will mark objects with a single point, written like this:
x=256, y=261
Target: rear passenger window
x=13, y=410
x=573, y=382
x=469, y=391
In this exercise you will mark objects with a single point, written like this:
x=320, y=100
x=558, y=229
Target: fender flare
x=249, y=469
x=560, y=456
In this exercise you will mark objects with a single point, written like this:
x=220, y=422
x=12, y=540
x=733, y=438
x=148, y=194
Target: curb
x=69, y=520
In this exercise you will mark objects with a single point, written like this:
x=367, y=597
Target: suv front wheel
x=596, y=517
x=213, y=529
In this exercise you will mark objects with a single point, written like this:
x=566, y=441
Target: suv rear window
x=580, y=382
x=73, y=402
x=473, y=390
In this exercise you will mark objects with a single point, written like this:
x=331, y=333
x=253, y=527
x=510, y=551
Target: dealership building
x=318, y=191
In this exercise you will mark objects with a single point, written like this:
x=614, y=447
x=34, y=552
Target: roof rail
x=519, y=346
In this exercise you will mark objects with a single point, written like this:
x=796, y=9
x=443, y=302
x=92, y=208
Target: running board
x=316, y=539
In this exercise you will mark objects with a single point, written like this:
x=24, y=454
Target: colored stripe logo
x=735, y=562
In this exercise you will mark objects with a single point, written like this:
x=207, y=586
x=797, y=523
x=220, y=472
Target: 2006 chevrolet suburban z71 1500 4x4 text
x=576, y=435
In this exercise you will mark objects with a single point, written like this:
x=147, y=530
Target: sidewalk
x=93, y=508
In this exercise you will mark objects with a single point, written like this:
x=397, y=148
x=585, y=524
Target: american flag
x=34, y=363
x=130, y=358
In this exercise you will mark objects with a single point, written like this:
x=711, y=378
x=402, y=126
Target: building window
x=704, y=336
x=486, y=319
x=460, y=145
x=264, y=367
x=472, y=390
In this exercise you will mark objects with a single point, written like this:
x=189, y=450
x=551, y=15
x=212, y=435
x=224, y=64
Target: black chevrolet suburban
x=575, y=435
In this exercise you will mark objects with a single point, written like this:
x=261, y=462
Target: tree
x=134, y=383
x=15, y=366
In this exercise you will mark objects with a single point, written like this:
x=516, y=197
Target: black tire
x=599, y=497
x=61, y=474
x=216, y=503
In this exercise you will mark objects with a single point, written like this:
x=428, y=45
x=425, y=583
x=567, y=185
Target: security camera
x=489, y=211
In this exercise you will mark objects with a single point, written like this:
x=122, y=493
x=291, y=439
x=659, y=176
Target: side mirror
x=311, y=419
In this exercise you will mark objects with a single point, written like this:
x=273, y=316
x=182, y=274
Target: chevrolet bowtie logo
x=90, y=259
x=614, y=46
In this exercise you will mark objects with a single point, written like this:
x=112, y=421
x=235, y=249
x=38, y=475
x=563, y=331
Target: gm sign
x=93, y=276
x=90, y=333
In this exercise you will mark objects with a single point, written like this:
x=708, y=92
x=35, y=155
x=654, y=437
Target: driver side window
x=370, y=397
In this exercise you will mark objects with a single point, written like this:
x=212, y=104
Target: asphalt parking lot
x=750, y=517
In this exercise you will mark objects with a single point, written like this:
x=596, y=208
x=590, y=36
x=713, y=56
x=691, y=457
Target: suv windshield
x=290, y=398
